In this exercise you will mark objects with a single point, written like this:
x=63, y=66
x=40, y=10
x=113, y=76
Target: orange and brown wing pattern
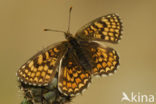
x=73, y=79
x=104, y=59
x=41, y=68
x=106, y=28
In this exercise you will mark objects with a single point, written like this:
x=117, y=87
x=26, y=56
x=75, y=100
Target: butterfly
x=76, y=59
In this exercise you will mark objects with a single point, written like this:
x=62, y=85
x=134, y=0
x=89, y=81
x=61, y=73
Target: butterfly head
x=68, y=35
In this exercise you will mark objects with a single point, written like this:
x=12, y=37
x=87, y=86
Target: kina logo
x=137, y=98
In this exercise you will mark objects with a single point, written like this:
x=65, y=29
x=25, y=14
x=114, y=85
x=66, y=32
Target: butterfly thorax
x=79, y=52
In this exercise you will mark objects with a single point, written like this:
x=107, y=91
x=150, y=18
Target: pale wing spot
x=114, y=26
x=105, y=55
x=82, y=76
x=47, y=77
x=40, y=59
x=113, y=52
x=68, y=77
x=100, y=59
x=113, y=23
x=26, y=71
x=112, y=38
x=108, y=23
x=85, y=81
x=106, y=29
x=101, y=71
x=31, y=63
x=104, y=64
x=76, y=89
x=108, y=16
x=36, y=79
x=35, y=69
x=47, y=55
x=32, y=75
x=41, y=80
x=77, y=80
x=75, y=74
x=95, y=69
x=52, y=62
x=60, y=84
x=99, y=66
x=81, y=85
x=111, y=59
x=31, y=80
x=74, y=85
x=110, y=34
x=29, y=73
x=117, y=35
x=111, y=20
x=43, y=74
x=27, y=78
x=64, y=83
x=107, y=69
x=70, y=90
x=106, y=37
x=86, y=32
x=109, y=64
x=24, y=75
x=23, y=66
x=98, y=36
x=93, y=28
x=45, y=68
x=104, y=33
x=104, y=19
x=103, y=50
x=50, y=71
x=40, y=68
x=56, y=50
x=32, y=68
x=112, y=67
x=114, y=63
x=64, y=88
x=38, y=74
x=116, y=30
x=112, y=30
x=118, y=27
x=68, y=84
x=99, y=53
x=99, y=25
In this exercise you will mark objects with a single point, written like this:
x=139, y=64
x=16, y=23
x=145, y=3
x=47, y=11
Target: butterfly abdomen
x=83, y=60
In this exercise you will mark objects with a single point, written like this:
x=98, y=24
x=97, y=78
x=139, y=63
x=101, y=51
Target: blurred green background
x=21, y=36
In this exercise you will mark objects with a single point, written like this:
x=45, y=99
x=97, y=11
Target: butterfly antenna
x=54, y=30
x=69, y=20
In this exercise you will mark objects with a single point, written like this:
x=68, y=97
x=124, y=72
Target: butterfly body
x=73, y=62
x=81, y=56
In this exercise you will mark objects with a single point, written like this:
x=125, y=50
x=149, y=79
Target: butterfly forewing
x=106, y=28
x=72, y=77
x=41, y=68
x=105, y=59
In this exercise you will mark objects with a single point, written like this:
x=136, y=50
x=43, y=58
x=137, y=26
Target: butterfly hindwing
x=41, y=68
x=72, y=77
x=105, y=58
x=106, y=28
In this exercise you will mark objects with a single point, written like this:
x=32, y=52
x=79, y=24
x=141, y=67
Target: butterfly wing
x=106, y=28
x=105, y=59
x=72, y=77
x=41, y=68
